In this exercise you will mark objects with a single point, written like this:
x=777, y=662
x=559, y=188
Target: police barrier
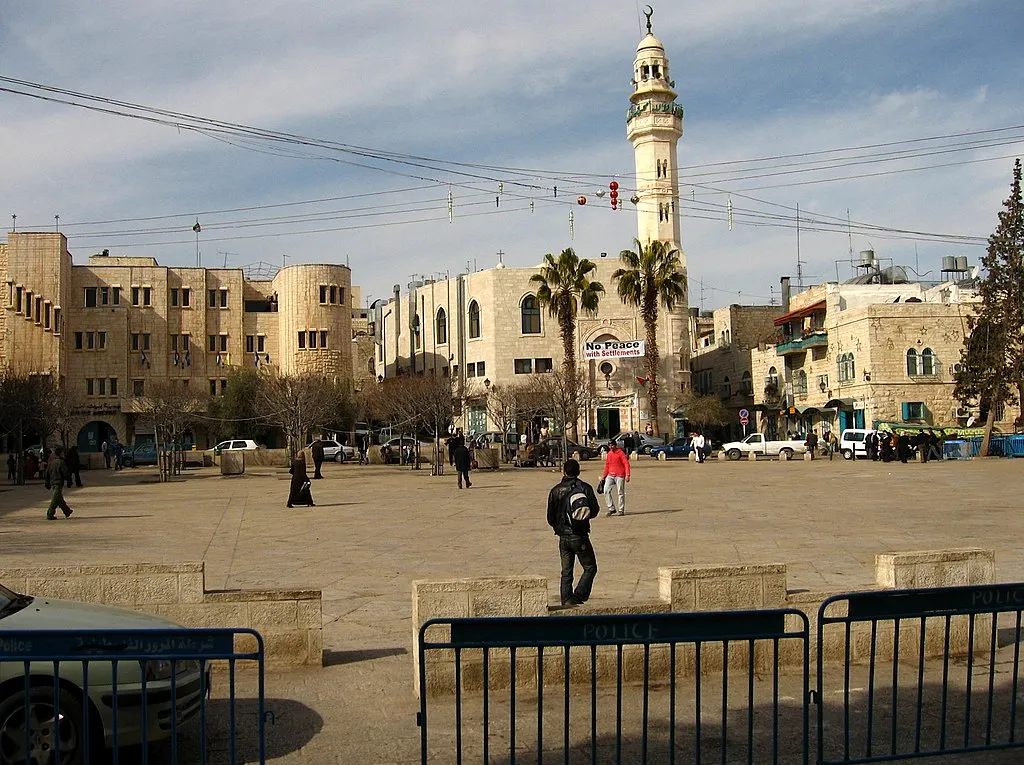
x=691, y=687
x=924, y=672
x=66, y=696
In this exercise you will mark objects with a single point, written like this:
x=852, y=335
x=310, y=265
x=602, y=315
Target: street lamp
x=487, y=383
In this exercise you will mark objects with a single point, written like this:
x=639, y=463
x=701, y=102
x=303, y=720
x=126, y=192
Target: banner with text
x=613, y=349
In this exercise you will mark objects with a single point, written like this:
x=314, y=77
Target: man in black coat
x=573, y=535
x=317, y=449
x=463, y=462
x=74, y=464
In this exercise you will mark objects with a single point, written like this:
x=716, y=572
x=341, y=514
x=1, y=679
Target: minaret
x=654, y=126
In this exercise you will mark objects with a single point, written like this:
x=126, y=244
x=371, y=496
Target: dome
x=650, y=42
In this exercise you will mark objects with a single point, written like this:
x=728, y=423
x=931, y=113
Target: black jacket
x=557, y=518
x=461, y=457
x=317, y=450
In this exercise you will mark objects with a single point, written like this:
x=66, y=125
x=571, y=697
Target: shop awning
x=839, y=403
x=800, y=313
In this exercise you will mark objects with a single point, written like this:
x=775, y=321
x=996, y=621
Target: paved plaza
x=377, y=528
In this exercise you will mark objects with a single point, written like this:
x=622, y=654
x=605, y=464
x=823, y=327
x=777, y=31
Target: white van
x=851, y=443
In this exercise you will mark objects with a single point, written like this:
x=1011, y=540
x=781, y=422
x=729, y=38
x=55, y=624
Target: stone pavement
x=377, y=528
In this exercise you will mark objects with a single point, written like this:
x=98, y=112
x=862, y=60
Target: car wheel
x=734, y=454
x=847, y=454
x=786, y=454
x=35, y=715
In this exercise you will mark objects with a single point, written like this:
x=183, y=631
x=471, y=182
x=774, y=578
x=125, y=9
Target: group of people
x=37, y=465
x=113, y=452
x=888, y=447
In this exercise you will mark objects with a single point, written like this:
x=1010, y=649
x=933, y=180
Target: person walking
x=811, y=443
x=699, y=444
x=571, y=505
x=616, y=476
x=871, y=445
x=56, y=474
x=317, y=450
x=299, y=490
x=628, y=444
x=832, y=443
x=105, y=448
x=118, y=456
x=12, y=468
x=74, y=463
x=463, y=461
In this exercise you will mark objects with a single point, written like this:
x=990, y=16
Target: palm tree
x=565, y=287
x=652, y=277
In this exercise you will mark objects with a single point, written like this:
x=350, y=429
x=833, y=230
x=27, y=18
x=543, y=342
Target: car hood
x=49, y=614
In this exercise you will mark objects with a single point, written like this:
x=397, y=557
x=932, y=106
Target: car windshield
x=11, y=602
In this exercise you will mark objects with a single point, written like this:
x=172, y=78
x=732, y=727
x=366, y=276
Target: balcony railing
x=814, y=339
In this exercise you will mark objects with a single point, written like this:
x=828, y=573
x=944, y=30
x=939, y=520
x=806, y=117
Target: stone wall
x=688, y=589
x=290, y=621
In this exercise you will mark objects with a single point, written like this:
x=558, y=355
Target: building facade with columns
x=112, y=328
x=487, y=328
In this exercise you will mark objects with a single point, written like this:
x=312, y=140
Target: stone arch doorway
x=609, y=381
x=93, y=434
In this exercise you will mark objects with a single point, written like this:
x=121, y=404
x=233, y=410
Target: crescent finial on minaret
x=648, y=12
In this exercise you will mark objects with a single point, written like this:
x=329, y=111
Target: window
x=90, y=297
x=223, y=343
x=147, y=296
x=136, y=296
x=104, y=295
x=134, y=341
x=541, y=366
x=912, y=365
x=913, y=410
x=726, y=386
x=212, y=297
x=101, y=385
x=186, y=297
x=441, y=327
x=250, y=344
x=101, y=340
x=746, y=385
x=90, y=340
x=323, y=294
x=185, y=343
x=212, y=343
x=47, y=315
x=261, y=343
x=138, y=387
x=116, y=295
x=89, y=387
x=213, y=387
x=847, y=372
x=928, y=362
x=56, y=321
x=28, y=304
x=523, y=366
x=17, y=301
x=312, y=339
x=223, y=386
x=474, y=319
x=530, y=315
x=78, y=341
x=800, y=382
x=174, y=298
x=223, y=298
x=145, y=341
x=174, y=342
x=323, y=338
x=334, y=293
x=113, y=386
x=302, y=339
x=471, y=370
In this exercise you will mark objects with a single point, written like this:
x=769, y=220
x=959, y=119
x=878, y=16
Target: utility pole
x=799, y=263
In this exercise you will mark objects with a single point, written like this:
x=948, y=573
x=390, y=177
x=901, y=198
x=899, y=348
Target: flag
x=197, y=228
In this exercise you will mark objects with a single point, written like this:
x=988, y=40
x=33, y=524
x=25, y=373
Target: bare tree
x=54, y=408
x=702, y=410
x=172, y=408
x=507, y=405
x=432, y=403
x=300, y=404
x=17, y=401
x=564, y=393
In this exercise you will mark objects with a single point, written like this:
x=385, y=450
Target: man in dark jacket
x=74, y=467
x=463, y=461
x=573, y=535
x=317, y=449
x=56, y=474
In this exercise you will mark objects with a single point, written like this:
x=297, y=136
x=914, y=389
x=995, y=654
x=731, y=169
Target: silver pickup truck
x=756, y=442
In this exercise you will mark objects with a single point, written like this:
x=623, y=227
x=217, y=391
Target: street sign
x=744, y=420
x=744, y=414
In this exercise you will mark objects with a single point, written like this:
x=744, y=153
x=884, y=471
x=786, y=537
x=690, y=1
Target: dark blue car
x=143, y=454
x=677, y=448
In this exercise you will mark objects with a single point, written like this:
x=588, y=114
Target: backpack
x=577, y=504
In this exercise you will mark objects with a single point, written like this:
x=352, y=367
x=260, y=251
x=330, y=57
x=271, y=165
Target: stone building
x=721, y=363
x=486, y=328
x=113, y=327
x=866, y=355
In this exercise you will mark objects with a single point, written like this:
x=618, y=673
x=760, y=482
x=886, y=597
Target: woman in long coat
x=298, y=492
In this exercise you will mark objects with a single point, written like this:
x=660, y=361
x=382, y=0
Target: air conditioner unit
x=962, y=412
x=955, y=368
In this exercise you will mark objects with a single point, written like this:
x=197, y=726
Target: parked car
x=756, y=442
x=403, y=449
x=234, y=444
x=851, y=443
x=680, y=447
x=140, y=455
x=19, y=704
x=642, y=442
x=552, y=447
x=337, y=451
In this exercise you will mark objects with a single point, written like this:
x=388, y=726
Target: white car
x=757, y=443
x=851, y=443
x=336, y=451
x=235, y=444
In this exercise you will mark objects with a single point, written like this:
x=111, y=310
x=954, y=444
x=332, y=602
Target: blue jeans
x=571, y=547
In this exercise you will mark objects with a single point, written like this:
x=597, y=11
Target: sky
x=891, y=124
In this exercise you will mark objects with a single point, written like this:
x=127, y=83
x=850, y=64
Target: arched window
x=726, y=387
x=748, y=388
x=928, y=365
x=800, y=382
x=531, y=315
x=773, y=377
x=474, y=319
x=912, y=367
x=847, y=373
x=441, y=327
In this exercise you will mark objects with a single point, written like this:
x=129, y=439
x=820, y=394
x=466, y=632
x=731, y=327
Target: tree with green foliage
x=992, y=373
x=566, y=287
x=235, y=413
x=651, y=277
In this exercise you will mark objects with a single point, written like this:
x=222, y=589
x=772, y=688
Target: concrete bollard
x=751, y=456
x=785, y=457
x=662, y=456
x=808, y=456
x=721, y=456
x=692, y=456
